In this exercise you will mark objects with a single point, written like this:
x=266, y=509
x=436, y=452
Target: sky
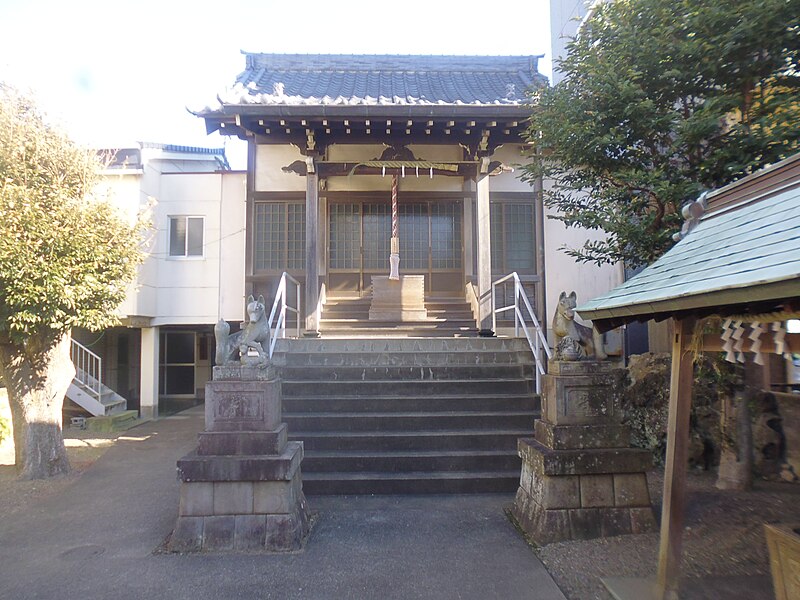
x=115, y=73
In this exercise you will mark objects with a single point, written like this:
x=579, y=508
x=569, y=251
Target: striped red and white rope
x=394, y=206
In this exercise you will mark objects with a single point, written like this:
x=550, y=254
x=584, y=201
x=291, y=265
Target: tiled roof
x=183, y=149
x=328, y=79
x=746, y=253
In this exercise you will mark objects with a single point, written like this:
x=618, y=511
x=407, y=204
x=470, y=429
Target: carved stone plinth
x=241, y=489
x=402, y=299
x=580, y=478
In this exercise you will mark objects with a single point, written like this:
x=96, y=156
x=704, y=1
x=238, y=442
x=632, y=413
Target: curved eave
x=747, y=299
x=368, y=110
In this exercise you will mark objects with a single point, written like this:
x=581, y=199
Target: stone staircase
x=349, y=317
x=408, y=415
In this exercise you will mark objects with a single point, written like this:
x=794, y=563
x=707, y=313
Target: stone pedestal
x=241, y=489
x=580, y=477
x=400, y=299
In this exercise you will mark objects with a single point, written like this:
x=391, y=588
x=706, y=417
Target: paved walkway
x=96, y=539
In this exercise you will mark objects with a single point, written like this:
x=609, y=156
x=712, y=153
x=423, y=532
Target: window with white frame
x=185, y=236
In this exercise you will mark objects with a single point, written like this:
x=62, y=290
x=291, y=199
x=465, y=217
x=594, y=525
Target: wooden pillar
x=674, y=503
x=484, y=275
x=312, y=250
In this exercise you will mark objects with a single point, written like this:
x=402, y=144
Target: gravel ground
x=724, y=536
x=83, y=448
x=724, y=533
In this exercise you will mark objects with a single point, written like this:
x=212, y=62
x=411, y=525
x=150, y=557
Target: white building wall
x=563, y=273
x=184, y=290
x=188, y=288
x=565, y=17
x=270, y=159
x=232, y=246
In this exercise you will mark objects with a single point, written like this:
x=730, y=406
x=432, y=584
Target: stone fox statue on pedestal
x=254, y=336
x=564, y=326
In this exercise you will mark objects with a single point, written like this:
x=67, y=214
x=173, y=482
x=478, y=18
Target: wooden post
x=484, y=232
x=312, y=259
x=672, y=513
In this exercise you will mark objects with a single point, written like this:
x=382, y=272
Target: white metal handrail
x=536, y=340
x=323, y=299
x=279, y=308
x=88, y=369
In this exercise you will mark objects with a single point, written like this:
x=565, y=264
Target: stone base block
x=256, y=532
x=398, y=300
x=547, y=461
x=281, y=467
x=573, y=437
x=397, y=314
x=548, y=525
x=608, y=490
x=239, y=405
x=223, y=443
x=579, y=399
x=234, y=372
x=241, y=516
x=582, y=494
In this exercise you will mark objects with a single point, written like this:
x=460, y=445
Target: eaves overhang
x=766, y=298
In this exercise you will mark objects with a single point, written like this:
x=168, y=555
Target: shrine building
x=331, y=136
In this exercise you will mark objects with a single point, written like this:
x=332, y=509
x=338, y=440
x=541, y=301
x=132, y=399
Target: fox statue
x=254, y=336
x=564, y=326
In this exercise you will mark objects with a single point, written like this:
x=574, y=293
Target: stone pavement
x=97, y=539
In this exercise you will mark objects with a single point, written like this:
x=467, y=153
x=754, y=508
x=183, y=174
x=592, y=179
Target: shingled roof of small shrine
x=741, y=253
x=339, y=79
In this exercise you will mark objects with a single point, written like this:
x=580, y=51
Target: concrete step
x=429, y=325
x=417, y=440
x=121, y=421
x=394, y=373
x=468, y=358
x=439, y=482
x=379, y=332
x=328, y=360
x=410, y=461
x=387, y=414
x=393, y=345
x=380, y=422
x=387, y=404
x=405, y=387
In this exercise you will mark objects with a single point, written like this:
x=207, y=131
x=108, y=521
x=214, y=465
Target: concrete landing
x=96, y=539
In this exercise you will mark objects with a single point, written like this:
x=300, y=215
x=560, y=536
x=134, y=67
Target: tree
x=660, y=101
x=66, y=260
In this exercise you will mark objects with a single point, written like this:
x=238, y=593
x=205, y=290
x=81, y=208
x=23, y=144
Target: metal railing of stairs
x=279, y=308
x=536, y=339
x=88, y=370
x=323, y=299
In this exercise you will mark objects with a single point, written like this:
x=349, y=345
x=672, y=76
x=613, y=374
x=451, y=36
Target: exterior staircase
x=87, y=389
x=406, y=415
x=348, y=317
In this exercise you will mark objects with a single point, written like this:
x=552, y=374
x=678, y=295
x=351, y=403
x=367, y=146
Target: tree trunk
x=736, y=459
x=37, y=375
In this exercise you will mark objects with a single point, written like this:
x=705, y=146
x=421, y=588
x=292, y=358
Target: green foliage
x=661, y=100
x=5, y=428
x=66, y=259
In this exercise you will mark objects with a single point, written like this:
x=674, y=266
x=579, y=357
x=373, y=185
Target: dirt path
x=83, y=448
x=724, y=536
